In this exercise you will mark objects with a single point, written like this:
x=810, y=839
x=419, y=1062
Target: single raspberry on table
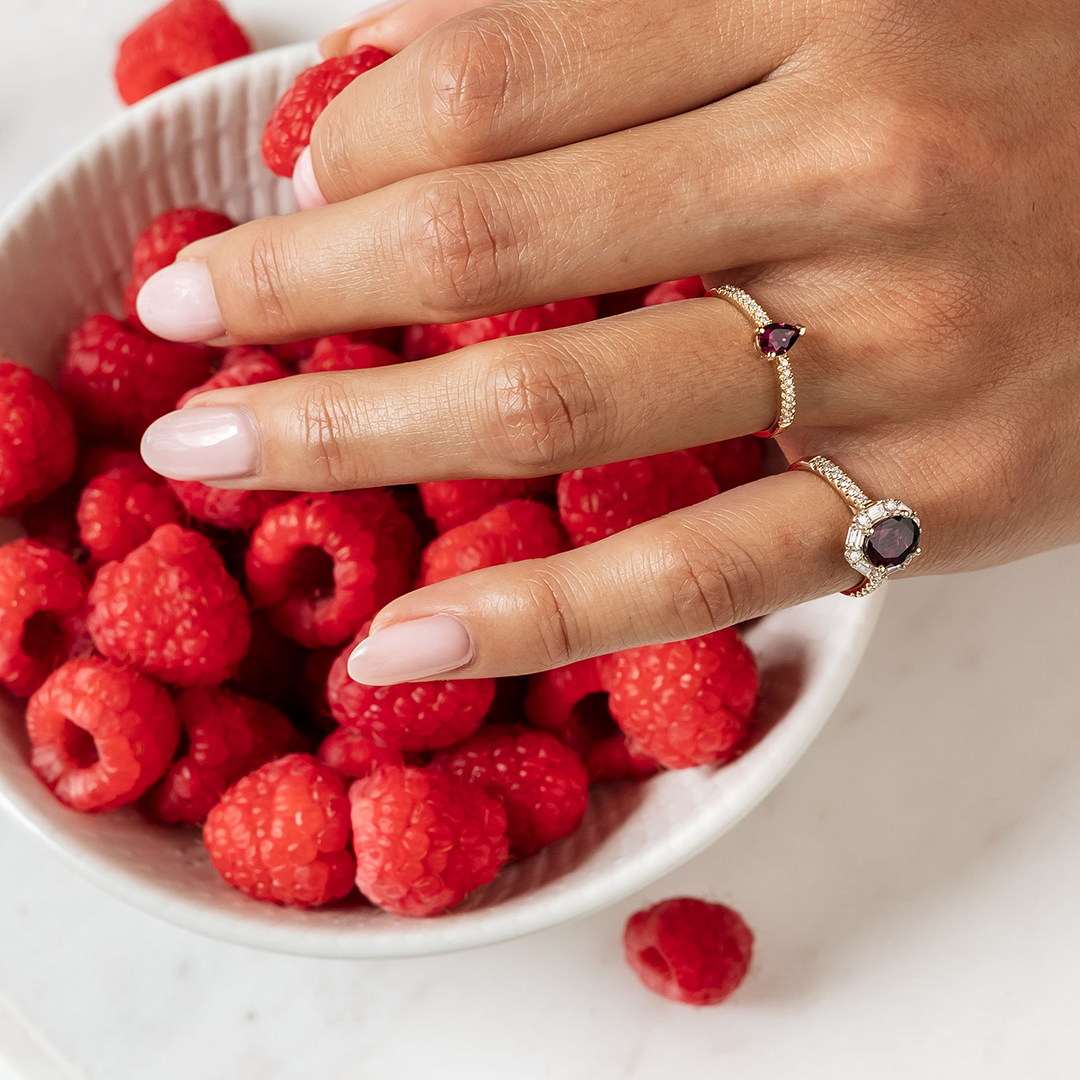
x=120, y=508
x=353, y=754
x=424, y=841
x=511, y=532
x=668, y=291
x=288, y=130
x=42, y=613
x=245, y=366
x=100, y=734
x=541, y=783
x=422, y=341
x=408, y=716
x=228, y=736
x=341, y=353
x=689, y=950
x=162, y=240
x=450, y=503
x=120, y=380
x=171, y=609
x=605, y=499
x=322, y=564
x=685, y=703
x=37, y=439
x=281, y=833
x=180, y=39
x=732, y=462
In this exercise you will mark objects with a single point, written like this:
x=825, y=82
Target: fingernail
x=411, y=650
x=305, y=186
x=209, y=443
x=178, y=304
x=367, y=15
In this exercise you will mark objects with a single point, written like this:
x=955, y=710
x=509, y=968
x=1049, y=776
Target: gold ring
x=774, y=341
x=883, y=537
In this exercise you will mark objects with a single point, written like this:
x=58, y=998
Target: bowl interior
x=64, y=253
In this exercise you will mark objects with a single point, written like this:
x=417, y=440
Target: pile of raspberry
x=185, y=648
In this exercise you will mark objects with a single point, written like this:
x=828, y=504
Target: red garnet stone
x=777, y=338
x=892, y=541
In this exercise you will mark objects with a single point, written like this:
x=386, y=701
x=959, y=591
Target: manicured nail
x=411, y=650
x=368, y=15
x=210, y=443
x=178, y=303
x=305, y=186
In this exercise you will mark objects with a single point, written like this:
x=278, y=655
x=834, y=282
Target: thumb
x=394, y=25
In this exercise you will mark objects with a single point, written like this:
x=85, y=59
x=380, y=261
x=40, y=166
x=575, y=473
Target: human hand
x=900, y=177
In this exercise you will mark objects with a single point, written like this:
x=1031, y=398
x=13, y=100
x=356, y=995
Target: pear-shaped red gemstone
x=778, y=337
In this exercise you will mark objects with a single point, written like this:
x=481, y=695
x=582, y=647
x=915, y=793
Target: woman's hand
x=898, y=175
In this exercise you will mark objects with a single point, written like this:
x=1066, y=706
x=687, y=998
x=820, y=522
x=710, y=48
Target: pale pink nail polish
x=305, y=186
x=210, y=443
x=178, y=303
x=411, y=650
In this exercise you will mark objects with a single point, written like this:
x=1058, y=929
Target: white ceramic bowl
x=64, y=252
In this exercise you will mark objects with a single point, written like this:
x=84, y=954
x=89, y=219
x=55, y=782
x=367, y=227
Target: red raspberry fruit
x=605, y=499
x=341, y=353
x=37, y=438
x=685, y=703
x=52, y=522
x=244, y=367
x=512, y=532
x=100, y=734
x=450, y=503
x=408, y=716
x=351, y=754
x=288, y=130
x=226, y=508
x=120, y=380
x=120, y=508
x=422, y=341
x=228, y=736
x=668, y=291
x=281, y=833
x=163, y=239
x=423, y=841
x=688, y=950
x=732, y=462
x=171, y=609
x=542, y=784
x=42, y=613
x=180, y=39
x=322, y=565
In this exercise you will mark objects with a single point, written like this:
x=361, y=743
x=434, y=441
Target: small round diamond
x=892, y=541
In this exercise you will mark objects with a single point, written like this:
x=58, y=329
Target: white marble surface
x=914, y=883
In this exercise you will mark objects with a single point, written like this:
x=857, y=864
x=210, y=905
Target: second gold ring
x=774, y=340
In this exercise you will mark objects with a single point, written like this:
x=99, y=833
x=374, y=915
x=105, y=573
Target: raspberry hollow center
x=311, y=573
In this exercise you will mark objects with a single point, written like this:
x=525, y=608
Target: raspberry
x=351, y=754
x=226, y=508
x=42, y=613
x=163, y=239
x=605, y=499
x=120, y=508
x=732, y=462
x=422, y=341
x=618, y=303
x=323, y=564
x=512, y=532
x=52, y=522
x=686, y=703
x=37, y=438
x=341, y=353
x=424, y=841
x=292, y=351
x=689, y=950
x=667, y=291
x=271, y=667
x=450, y=503
x=288, y=130
x=541, y=783
x=245, y=367
x=120, y=380
x=408, y=716
x=100, y=734
x=281, y=833
x=180, y=39
x=228, y=735
x=171, y=609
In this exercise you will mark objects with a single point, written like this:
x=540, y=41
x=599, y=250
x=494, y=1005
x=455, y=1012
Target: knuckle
x=262, y=280
x=544, y=412
x=559, y=635
x=460, y=241
x=327, y=421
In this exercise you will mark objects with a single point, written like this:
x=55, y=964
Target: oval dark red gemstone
x=891, y=541
x=777, y=337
